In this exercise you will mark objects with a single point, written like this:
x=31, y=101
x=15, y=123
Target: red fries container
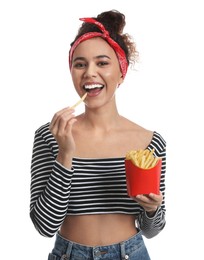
x=142, y=181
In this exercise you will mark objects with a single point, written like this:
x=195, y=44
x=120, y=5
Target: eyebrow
x=96, y=57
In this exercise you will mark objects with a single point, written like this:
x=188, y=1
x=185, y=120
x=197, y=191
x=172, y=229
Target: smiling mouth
x=93, y=88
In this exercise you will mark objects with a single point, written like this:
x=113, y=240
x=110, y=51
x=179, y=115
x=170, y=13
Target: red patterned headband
x=104, y=34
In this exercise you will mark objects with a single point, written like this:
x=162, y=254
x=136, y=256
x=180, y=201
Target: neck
x=102, y=119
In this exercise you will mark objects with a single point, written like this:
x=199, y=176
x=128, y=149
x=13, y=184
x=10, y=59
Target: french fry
x=155, y=161
x=79, y=102
x=142, y=158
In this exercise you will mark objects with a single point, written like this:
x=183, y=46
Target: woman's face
x=95, y=69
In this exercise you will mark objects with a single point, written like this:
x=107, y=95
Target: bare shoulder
x=138, y=135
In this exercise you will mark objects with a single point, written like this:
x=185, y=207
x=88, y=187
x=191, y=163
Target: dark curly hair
x=114, y=23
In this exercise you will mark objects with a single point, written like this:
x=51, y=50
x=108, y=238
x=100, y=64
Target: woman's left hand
x=149, y=202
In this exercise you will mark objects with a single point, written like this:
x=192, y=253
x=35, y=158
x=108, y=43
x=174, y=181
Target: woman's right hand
x=61, y=128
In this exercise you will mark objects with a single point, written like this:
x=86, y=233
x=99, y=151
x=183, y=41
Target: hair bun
x=113, y=20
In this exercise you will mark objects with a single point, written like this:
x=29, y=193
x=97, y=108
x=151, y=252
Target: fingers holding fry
x=65, y=110
x=79, y=102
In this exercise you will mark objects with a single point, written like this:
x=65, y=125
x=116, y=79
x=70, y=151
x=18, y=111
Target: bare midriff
x=95, y=230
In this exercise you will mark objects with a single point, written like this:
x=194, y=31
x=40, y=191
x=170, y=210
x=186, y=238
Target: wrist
x=151, y=213
x=65, y=159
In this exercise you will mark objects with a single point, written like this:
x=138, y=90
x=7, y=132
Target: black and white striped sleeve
x=50, y=186
x=151, y=226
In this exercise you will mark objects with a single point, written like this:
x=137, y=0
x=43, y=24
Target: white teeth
x=93, y=86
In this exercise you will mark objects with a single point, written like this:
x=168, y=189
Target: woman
x=78, y=186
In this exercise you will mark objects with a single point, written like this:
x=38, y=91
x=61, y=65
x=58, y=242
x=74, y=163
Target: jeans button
x=96, y=252
x=126, y=257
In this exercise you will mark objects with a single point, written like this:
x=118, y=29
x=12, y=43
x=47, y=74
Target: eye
x=79, y=65
x=102, y=63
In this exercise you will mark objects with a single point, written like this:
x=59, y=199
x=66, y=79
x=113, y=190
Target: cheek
x=113, y=76
x=75, y=81
x=75, y=77
x=108, y=74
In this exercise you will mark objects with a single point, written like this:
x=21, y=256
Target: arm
x=50, y=185
x=152, y=219
x=152, y=224
x=51, y=172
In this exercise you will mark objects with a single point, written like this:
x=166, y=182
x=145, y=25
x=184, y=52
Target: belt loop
x=69, y=249
x=122, y=250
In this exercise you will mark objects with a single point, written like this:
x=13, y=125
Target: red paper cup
x=142, y=181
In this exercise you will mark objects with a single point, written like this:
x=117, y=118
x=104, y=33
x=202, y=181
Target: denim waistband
x=66, y=249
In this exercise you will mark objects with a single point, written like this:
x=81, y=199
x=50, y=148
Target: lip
x=95, y=91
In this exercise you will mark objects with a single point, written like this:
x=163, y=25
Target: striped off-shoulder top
x=92, y=186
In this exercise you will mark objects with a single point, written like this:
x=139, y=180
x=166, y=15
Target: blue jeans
x=131, y=249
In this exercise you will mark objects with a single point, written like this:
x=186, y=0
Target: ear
x=121, y=80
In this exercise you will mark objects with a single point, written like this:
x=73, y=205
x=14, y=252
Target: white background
x=164, y=94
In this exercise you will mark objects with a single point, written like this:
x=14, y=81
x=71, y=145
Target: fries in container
x=143, y=171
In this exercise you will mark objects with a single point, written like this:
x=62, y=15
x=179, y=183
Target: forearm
x=49, y=209
x=50, y=186
x=151, y=223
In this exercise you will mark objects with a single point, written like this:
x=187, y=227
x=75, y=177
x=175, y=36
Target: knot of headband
x=104, y=34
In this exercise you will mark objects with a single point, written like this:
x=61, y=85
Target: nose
x=91, y=71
